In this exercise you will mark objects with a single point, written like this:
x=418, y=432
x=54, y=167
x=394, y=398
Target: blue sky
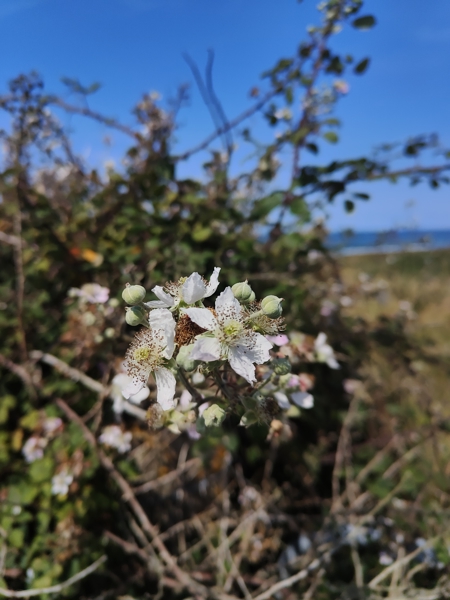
x=133, y=46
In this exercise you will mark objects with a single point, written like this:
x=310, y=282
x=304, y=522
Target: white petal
x=121, y=380
x=241, y=364
x=256, y=347
x=143, y=394
x=333, y=363
x=213, y=282
x=193, y=289
x=283, y=400
x=156, y=304
x=163, y=296
x=162, y=319
x=134, y=387
x=202, y=317
x=227, y=301
x=166, y=383
x=320, y=341
x=207, y=349
x=303, y=399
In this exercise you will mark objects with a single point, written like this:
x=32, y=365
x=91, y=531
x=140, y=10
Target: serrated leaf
x=331, y=137
x=364, y=23
x=349, y=206
x=362, y=66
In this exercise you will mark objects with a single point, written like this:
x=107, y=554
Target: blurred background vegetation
x=348, y=499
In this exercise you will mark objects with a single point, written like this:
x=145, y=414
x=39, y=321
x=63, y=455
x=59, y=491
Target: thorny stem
x=187, y=384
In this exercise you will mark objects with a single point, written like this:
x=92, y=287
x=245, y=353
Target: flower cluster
x=179, y=326
x=187, y=342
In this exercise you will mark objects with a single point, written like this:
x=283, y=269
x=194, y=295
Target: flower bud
x=135, y=315
x=183, y=358
x=281, y=366
x=252, y=298
x=271, y=306
x=242, y=292
x=213, y=416
x=133, y=294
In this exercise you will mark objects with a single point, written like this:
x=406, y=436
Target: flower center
x=141, y=354
x=232, y=328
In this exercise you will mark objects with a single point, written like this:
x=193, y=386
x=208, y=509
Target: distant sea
x=380, y=242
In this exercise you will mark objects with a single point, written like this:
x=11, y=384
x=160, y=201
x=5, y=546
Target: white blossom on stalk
x=149, y=353
x=61, y=482
x=230, y=340
x=114, y=437
x=189, y=291
x=324, y=352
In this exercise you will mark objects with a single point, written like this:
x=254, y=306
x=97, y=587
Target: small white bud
x=242, y=292
x=133, y=294
x=135, y=316
x=271, y=306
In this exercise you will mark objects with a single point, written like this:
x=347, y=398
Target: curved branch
x=54, y=589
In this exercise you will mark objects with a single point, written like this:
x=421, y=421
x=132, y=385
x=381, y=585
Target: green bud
x=271, y=306
x=135, y=315
x=183, y=358
x=133, y=294
x=242, y=292
x=281, y=366
x=252, y=298
x=213, y=416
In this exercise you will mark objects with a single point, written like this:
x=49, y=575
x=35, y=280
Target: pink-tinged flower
x=303, y=381
x=91, y=292
x=51, y=424
x=230, y=339
x=149, y=353
x=188, y=291
x=114, y=437
x=351, y=385
x=33, y=449
x=341, y=86
x=279, y=340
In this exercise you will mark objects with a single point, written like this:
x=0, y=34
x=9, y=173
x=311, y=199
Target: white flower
x=51, y=424
x=303, y=399
x=189, y=291
x=91, y=292
x=33, y=449
x=148, y=353
x=231, y=340
x=61, y=482
x=120, y=382
x=114, y=437
x=324, y=352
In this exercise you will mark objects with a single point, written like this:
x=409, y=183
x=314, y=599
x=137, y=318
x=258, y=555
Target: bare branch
x=70, y=372
x=87, y=112
x=54, y=589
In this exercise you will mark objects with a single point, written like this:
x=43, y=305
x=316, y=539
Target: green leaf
x=364, y=23
x=41, y=470
x=265, y=205
x=349, y=206
x=331, y=137
x=15, y=538
x=312, y=147
x=362, y=66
